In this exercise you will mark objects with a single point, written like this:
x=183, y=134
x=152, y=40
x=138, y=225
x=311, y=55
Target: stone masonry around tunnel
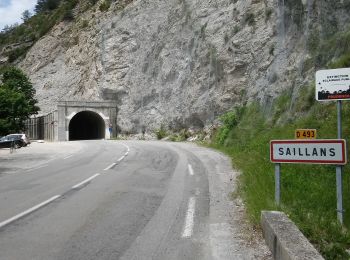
x=86, y=120
x=76, y=120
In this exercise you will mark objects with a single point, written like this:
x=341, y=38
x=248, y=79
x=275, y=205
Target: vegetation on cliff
x=15, y=40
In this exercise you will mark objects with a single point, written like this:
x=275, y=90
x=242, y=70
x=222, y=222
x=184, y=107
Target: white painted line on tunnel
x=85, y=181
x=190, y=169
x=189, y=221
x=28, y=211
x=109, y=167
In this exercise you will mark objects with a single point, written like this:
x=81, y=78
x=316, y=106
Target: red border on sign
x=324, y=141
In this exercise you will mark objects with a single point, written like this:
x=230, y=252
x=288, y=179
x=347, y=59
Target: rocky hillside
x=181, y=63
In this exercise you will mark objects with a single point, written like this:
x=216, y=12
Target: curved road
x=123, y=200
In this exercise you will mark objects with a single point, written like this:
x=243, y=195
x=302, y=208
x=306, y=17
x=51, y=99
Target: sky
x=11, y=11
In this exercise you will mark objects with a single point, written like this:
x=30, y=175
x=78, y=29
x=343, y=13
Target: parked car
x=7, y=141
x=24, y=137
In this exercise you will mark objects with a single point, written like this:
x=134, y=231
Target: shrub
x=249, y=19
x=268, y=13
x=229, y=121
x=104, y=6
x=16, y=53
x=161, y=132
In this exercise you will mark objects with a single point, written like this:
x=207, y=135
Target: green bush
x=161, y=132
x=249, y=19
x=16, y=53
x=104, y=6
x=268, y=13
x=341, y=62
x=228, y=120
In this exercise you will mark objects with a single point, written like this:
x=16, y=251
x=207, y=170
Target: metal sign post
x=339, y=169
x=334, y=84
x=277, y=183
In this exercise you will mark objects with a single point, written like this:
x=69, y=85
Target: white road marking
x=69, y=156
x=190, y=170
x=28, y=211
x=127, y=147
x=109, y=167
x=36, y=168
x=189, y=222
x=121, y=158
x=198, y=192
x=85, y=181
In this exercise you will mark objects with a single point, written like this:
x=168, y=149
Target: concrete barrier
x=284, y=239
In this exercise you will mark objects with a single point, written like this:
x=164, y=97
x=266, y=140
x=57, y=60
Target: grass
x=308, y=191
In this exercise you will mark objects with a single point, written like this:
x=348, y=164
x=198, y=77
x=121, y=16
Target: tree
x=17, y=100
x=26, y=15
x=46, y=5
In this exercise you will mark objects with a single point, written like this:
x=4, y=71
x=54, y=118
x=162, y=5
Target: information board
x=333, y=84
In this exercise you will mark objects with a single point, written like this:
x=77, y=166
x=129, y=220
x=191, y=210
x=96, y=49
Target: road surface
x=121, y=200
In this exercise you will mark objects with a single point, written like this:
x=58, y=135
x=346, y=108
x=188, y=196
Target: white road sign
x=333, y=84
x=327, y=151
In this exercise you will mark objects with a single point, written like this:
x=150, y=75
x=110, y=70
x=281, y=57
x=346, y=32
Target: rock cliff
x=181, y=63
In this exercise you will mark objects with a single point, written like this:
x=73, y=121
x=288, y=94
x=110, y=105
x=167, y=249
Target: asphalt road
x=122, y=200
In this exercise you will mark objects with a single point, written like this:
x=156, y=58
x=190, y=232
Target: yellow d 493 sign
x=305, y=134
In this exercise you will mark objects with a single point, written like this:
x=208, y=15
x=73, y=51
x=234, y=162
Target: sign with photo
x=333, y=84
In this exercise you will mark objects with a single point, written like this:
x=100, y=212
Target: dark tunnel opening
x=86, y=125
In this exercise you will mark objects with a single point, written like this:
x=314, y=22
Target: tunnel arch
x=86, y=125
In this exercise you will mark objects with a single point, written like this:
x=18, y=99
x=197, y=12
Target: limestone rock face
x=179, y=63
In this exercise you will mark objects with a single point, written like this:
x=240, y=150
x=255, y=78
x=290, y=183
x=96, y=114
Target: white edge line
x=69, y=156
x=190, y=170
x=28, y=211
x=109, y=167
x=85, y=181
x=189, y=222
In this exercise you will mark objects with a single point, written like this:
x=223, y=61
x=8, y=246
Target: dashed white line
x=109, y=167
x=189, y=221
x=28, y=211
x=85, y=181
x=190, y=170
x=121, y=158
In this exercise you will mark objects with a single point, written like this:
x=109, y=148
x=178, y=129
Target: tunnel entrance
x=86, y=125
